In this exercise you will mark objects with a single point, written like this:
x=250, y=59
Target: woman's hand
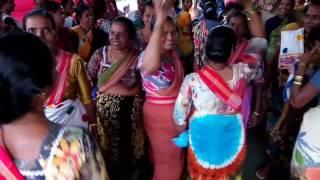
x=307, y=57
x=247, y=4
x=162, y=9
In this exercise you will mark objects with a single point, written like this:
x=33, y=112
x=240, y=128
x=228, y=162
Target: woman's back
x=30, y=145
x=203, y=99
x=66, y=153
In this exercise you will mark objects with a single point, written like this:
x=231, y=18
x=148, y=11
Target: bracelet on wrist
x=298, y=78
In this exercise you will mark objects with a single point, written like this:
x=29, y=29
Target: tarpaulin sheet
x=22, y=7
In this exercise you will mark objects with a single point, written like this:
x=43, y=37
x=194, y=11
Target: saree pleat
x=160, y=128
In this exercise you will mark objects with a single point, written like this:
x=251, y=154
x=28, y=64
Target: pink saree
x=160, y=128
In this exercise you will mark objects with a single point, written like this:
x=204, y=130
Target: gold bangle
x=297, y=83
x=302, y=64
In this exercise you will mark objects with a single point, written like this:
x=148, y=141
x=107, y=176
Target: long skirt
x=120, y=133
x=160, y=128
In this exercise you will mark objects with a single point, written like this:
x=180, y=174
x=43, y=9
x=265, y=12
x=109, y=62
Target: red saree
x=63, y=60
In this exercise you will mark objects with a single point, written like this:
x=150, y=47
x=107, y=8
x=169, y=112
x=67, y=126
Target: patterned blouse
x=161, y=79
x=67, y=153
x=99, y=63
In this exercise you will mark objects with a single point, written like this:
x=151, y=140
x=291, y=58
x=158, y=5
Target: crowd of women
x=166, y=92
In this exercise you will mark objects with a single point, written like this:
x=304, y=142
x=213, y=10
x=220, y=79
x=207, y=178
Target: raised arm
x=256, y=26
x=152, y=55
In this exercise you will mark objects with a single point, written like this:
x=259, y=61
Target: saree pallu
x=63, y=61
x=160, y=128
x=120, y=133
x=69, y=112
x=305, y=163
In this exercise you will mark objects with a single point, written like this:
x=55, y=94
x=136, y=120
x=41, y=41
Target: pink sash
x=8, y=169
x=121, y=71
x=63, y=60
x=168, y=95
x=238, y=56
x=221, y=89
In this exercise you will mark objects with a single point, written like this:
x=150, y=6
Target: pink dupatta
x=235, y=58
x=168, y=95
x=8, y=169
x=63, y=60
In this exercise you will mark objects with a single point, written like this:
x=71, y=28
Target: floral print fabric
x=67, y=153
x=305, y=162
x=194, y=93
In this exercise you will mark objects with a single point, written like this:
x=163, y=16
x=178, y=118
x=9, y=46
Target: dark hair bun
x=26, y=68
x=209, y=8
x=221, y=40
